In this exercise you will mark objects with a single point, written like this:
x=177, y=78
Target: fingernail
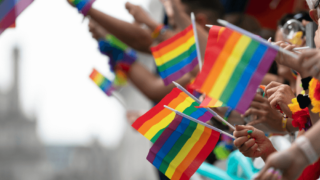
x=258, y=149
x=270, y=170
x=254, y=138
x=269, y=39
x=249, y=136
x=249, y=131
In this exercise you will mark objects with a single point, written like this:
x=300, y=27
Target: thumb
x=264, y=170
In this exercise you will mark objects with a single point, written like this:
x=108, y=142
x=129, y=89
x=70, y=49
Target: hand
x=255, y=146
x=311, y=64
x=267, y=116
x=97, y=31
x=138, y=13
x=279, y=94
x=290, y=162
x=281, y=58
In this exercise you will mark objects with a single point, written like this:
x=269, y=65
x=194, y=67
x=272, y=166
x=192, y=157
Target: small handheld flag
x=104, y=84
x=182, y=148
x=176, y=56
x=10, y=10
x=153, y=123
x=233, y=68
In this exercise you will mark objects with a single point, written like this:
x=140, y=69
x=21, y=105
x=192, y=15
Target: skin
x=258, y=145
x=293, y=161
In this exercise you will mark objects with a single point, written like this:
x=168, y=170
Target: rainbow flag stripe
x=182, y=148
x=233, y=69
x=210, y=102
x=104, y=84
x=10, y=10
x=176, y=56
x=152, y=124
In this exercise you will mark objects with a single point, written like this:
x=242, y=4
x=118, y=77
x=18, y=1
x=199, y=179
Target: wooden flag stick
x=253, y=36
x=197, y=121
x=208, y=109
x=197, y=40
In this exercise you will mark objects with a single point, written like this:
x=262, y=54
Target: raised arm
x=151, y=85
x=130, y=34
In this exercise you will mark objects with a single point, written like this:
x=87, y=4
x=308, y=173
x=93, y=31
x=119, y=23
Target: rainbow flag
x=210, y=102
x=176, y=56
x=104, y=84
x=10, y=10
x=152, y=124
x=182, y=148
x=117, y=51
x=233, y=68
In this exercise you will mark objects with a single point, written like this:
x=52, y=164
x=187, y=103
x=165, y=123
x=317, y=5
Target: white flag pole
x=253, y=36
x=208, y=109
x=197, y=40
x=197, y=121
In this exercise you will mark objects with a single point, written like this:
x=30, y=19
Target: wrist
x=267, y=152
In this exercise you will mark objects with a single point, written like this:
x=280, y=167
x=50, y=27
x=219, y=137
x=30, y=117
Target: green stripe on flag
x=233, y=81
x=178, y=146
x=177, y=59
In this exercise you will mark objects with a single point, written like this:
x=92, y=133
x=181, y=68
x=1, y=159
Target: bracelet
x=305, y=82
x=83, y=6
x=157, y=31
x=284, y=122
x=306, y=147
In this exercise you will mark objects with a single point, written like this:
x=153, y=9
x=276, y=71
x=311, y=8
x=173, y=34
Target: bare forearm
x=151, y=85
x=132, y=35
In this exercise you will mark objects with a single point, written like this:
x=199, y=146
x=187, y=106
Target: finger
x=256, y=105
x=243, y=131
x=259, y=98
x=314, y=69
x=262, y=172
x=272, y=89
x=240, y=141
x=276, y=175
x=253, y=111
x=273, y=102
x=251, y=152
x=246, y=145
x=307, y=54
x=255, y=122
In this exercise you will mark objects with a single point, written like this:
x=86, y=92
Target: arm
x=151, y=85
x=183, y=20
x=132, y=35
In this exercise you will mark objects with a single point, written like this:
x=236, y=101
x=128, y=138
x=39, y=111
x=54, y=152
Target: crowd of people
x=289, y=101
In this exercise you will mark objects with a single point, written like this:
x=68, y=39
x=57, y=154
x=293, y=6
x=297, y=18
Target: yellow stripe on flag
x=98, y=79
x=168, y=119
x=175, y=52
x=184, y=151
x=229, y=67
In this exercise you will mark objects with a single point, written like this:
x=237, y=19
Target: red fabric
x=300, y=118
x=268, y=17
x=311, y=172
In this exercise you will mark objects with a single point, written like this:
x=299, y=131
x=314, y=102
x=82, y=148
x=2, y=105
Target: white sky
x=57, y=56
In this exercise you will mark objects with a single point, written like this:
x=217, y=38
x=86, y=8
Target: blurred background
x=54, y=122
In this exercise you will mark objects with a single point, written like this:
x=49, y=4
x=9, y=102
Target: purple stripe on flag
x=177, y=75
x=13, y=14
x=205, y=117
x=254, y=83
x=163, y=138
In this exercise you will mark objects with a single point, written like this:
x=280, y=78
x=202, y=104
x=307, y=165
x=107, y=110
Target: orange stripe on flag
x=221, y=60
x=172, y=46
x=164, y=113
x=192, y=154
